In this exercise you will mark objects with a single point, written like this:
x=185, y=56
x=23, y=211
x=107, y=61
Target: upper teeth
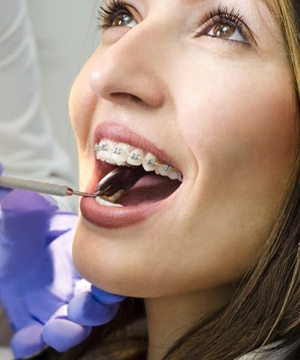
x=122, y=154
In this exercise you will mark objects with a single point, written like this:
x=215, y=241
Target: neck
x=169, y=318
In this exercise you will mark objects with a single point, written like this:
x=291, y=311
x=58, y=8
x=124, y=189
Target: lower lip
x=116, y=217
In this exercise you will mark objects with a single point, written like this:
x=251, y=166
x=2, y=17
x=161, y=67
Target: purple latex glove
x=3, y=191
x=38, y=281
x=71, y=322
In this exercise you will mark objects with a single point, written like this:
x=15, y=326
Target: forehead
x=265, y=7
x=270, y=5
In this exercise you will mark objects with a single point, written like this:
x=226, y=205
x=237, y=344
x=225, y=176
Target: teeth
x=135, y=157
x=167, y=170
x=164, y=170
x=149, y=162
x=102, y=201
x=104, y=150
x=122, y=154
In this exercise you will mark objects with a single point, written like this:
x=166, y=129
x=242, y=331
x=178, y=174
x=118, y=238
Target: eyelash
x=108, y=13
x=221, y=14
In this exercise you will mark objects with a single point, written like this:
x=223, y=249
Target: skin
x=225, y=110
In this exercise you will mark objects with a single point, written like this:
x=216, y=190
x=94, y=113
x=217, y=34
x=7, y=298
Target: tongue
x=150, y=188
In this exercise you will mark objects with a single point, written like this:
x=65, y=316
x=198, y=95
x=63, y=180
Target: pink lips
x=115, y=217
x=118, y=133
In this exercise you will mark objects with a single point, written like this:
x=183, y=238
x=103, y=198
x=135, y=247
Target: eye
x=226, y=31
x=225, y=25
x=123, y=19
x=117, y=13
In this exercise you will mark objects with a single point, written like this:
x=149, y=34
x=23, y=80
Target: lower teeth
x=101, y=201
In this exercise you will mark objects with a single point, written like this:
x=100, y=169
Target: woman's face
x=200, y=91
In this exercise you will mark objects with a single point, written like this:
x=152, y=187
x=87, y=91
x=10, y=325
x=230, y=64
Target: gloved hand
x=46, y=300
x=3, y=191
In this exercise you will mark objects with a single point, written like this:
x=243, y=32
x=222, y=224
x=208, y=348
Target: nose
x=130, y=69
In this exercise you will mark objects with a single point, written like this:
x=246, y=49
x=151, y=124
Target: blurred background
x=66, y=34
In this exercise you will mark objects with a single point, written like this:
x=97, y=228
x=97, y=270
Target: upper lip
x=120, y=133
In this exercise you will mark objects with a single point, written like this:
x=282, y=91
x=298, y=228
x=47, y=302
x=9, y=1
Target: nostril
x=116, y=85
x=126, y=96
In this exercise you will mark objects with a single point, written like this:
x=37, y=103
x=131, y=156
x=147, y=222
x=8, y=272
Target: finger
x=42, y=303
x=86, y=310
x=106, y=297
x=28, y=341
x=62, y=334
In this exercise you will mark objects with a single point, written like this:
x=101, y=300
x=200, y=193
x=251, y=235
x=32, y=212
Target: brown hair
x=265, y=307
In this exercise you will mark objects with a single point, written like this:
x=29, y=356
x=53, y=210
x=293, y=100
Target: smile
x=147, y=178
x=145, y=184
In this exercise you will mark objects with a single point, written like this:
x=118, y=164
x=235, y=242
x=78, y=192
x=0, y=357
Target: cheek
x=249, y=126
x=244, y=146
x=82, y=103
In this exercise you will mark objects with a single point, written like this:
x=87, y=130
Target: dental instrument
x=107, y=185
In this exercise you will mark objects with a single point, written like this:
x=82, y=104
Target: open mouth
x=142, y=178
